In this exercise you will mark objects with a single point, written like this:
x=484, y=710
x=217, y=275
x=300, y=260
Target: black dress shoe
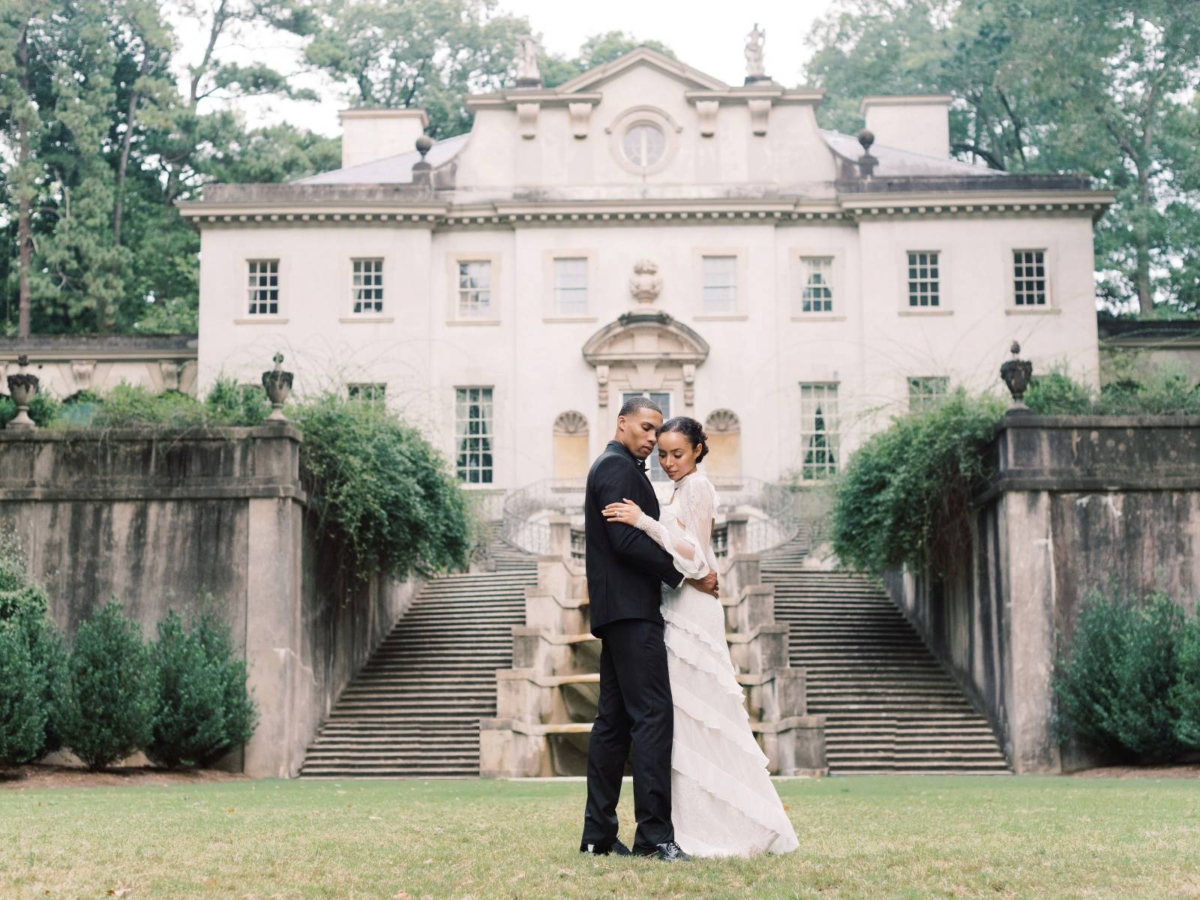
x=668, y=852
x=616, y=848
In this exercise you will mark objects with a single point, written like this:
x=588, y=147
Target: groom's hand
x=706, y=585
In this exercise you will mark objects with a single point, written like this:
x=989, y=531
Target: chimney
x=917, y=123
x=371, y=134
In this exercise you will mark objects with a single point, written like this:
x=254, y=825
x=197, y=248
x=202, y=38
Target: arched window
x=570, y=447
x=724, y=460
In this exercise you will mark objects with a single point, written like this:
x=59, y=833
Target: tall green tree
x=1105, y=87
x=416, y=53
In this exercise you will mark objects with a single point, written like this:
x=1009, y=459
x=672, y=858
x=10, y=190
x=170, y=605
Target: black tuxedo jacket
x=625, y=567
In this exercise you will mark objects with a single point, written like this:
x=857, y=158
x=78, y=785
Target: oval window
x=644, y=144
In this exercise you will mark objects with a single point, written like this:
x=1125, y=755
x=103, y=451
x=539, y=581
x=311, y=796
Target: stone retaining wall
x=216, y=516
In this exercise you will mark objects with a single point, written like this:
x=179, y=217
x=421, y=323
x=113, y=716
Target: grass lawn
x=859, y=837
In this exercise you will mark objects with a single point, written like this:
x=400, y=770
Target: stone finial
x=422, y=171
x=867, y=162
x=278, y=385
x=755, y=67
x=1017, y=374
x=528, y=73
x=646, y=283
x=424, y=145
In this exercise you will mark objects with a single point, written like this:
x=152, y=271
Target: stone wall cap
x=151, y=433
x=1094, y=422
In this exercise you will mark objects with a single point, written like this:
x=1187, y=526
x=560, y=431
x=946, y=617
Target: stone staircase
x=890, y=707
x=414, y=709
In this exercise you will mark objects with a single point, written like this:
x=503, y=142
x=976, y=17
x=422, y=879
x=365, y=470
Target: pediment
x=691, y=79
x=645, y=337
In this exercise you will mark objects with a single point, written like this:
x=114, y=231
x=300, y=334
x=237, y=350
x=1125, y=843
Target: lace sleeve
x=672, y=536
x=697, y=504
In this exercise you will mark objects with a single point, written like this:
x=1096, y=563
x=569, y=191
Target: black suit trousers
x=635, y=711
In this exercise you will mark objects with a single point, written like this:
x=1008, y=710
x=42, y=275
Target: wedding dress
x=722, y=799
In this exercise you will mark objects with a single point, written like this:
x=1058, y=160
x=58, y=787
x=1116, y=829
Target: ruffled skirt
x=722, y=799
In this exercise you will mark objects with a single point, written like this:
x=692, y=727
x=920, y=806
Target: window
x=473, y=434
x=570, y=286
x=571, y=460
x=818, y=431
x=264, y=287
x=374, y=391
x=663, y=399
x=720, y=284
x=817, y=295
x=475, y=289
x=925, y=391
x=1029, y=271
x=923, y=279
x=724, y=459
x=368, y=285
x=644, y=144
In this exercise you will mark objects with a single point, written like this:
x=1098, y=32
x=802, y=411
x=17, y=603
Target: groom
x=625, y=573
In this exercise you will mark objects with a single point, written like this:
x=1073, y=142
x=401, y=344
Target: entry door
x=663, y=399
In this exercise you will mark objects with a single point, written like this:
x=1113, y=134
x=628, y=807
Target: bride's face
x=676, y=456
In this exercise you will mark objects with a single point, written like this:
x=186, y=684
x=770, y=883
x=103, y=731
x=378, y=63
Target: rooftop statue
x=528, y=50
x=755, y=68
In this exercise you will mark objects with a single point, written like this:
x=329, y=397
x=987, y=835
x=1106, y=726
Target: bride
x=723, y=802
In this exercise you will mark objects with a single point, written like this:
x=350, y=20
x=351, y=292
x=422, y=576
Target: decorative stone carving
x=689, y=385
x=581, y=116
x=571, y=423
x=760, y=111
x=722, y=421
x=83, y=371
x=170, y=374
x=706, y=111
x=527, y=116
x=602, y=385
x=755, y=67
x=646, y=283
x=528, y=74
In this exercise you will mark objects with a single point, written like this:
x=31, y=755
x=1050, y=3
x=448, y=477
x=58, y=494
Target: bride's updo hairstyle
x=690, y=429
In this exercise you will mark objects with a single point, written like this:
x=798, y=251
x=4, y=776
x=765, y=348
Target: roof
x=896, y=162
x=391, y=169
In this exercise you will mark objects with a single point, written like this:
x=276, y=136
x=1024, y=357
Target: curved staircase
x=414, y=709
x=889, y=706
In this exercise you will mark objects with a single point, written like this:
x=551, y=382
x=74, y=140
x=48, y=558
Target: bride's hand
x=626, y=512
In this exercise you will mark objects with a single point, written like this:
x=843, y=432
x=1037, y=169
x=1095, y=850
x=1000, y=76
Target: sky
x=706, y=34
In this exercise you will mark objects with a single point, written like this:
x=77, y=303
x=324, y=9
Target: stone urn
x=278, y=384
x=1017, y=374
x=646, y=283
x=22, y=388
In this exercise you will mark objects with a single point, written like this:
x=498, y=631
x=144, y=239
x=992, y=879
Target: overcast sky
x=706, y=34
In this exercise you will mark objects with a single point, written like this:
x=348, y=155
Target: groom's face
x=639, y=431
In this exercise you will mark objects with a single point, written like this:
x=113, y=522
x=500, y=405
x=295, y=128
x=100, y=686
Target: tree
x=425, y=54
x=1104, y=88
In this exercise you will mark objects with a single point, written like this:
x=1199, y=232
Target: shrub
x=1186, y=697
x=106, y=709
x=129, y=405
x=202, y=708
x=1056, y=394
x=230, y=403
x=24, y=609
x=22, y=707
x=383, y=495
x=903, y=498
x=1116, y=686
x=1165, y=391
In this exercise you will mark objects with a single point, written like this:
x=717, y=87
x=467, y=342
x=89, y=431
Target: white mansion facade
x=648, y=229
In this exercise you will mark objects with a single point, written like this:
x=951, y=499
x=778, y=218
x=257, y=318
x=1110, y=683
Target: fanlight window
x=644, y=144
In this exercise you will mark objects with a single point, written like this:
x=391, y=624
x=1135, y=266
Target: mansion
x=646, y=229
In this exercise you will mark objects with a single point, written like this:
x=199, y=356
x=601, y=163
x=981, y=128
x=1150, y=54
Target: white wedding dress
x=722, y=799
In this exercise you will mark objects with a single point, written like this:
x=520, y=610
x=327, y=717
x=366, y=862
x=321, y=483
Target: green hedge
x=1129, y=685
x=902, y=499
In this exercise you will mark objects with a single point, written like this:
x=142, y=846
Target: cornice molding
x=852, y=208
